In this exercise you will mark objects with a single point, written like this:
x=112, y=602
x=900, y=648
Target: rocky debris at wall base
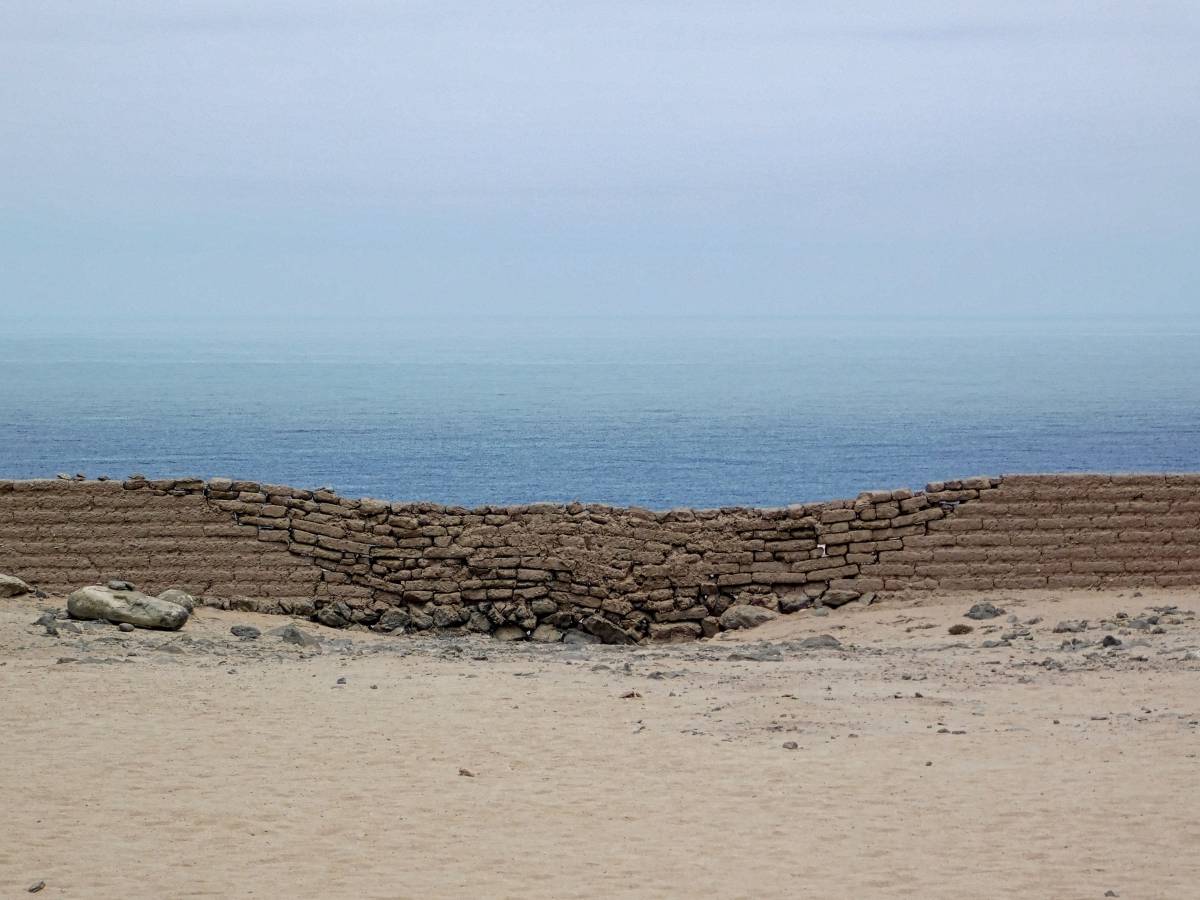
x=131, y=607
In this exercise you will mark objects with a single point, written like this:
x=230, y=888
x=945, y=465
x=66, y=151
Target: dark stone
x=392, y=619
x=246, y=632
x=608, y=632
x=366, y=617
x=790, y=745
x=47, y=618
x=126, y=626
x=794, y=603
x=421, y=622
x=36, y=886
x=478, y=622
x=561, y=620
x=444, y=617
x=839, y=597
x=981, y=611
x=341, y=681
x=115, y=585
x=336, y=615
x=1110, y=641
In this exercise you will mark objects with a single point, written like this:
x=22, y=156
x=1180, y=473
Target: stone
x=711, y=626
x=509, y=633
x=36, y=886
x=1069, y=627
x=364, y=617
x=183, y=598
x=478, y=622
x=132, y=607
x=115, y=585
x=839, y=597
x=790, y=745
x=982, y=611
x=444, y=617
x=421, y=622
x=674, y=632
x=291, y=634
x=757, y=654
x=335, y=615
x=124, y=626
x=245, y=632
x=546, y=634
x=738, y=617
x=794, y=603
x=607, y=631
x=576, y=636
x=821, y=642
x=543, y=607
x=1110, y=641
x=301, y=606
x=11, y=586
x=243, y=604
x=392, y=619
x=46, y=618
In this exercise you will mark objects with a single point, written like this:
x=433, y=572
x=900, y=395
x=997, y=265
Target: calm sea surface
x=704, y=420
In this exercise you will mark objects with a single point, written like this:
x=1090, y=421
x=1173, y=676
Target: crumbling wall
x=623, y=574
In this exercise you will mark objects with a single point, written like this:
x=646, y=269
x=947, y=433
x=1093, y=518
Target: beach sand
x=193, y=764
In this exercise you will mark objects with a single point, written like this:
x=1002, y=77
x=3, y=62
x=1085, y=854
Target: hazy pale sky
x=382, y=161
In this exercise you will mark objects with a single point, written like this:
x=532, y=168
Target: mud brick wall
x=621, y=574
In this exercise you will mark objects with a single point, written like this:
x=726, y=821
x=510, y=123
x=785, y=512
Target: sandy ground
x=926, y=765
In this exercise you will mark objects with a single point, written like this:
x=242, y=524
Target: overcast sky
x=389, y=161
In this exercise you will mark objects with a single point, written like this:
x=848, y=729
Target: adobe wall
x=622, y=574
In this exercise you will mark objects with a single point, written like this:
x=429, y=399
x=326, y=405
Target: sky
x=274, y=164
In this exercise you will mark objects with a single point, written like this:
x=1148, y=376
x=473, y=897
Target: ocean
x=721, y=415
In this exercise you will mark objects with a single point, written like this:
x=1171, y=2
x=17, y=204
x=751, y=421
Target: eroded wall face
x=625, y=572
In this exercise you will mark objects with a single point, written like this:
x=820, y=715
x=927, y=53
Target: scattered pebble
x=790, y=745
x=36, y=886
x=341, y=681
x=466, y=772
x=126, y=627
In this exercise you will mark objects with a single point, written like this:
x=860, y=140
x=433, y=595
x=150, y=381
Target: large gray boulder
x=738, y=617
x=11, y=586
x=134, y=607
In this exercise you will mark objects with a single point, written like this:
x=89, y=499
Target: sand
x=195, y=765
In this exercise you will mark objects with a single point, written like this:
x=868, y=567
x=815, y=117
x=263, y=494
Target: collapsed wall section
x=623, y=574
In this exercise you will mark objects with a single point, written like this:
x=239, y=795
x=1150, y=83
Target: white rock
x=11, y=586
x=134, y=607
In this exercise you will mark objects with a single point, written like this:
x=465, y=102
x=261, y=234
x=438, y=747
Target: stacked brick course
x=624, y=574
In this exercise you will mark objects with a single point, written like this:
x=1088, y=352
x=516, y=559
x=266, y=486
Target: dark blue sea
x=635, y=413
